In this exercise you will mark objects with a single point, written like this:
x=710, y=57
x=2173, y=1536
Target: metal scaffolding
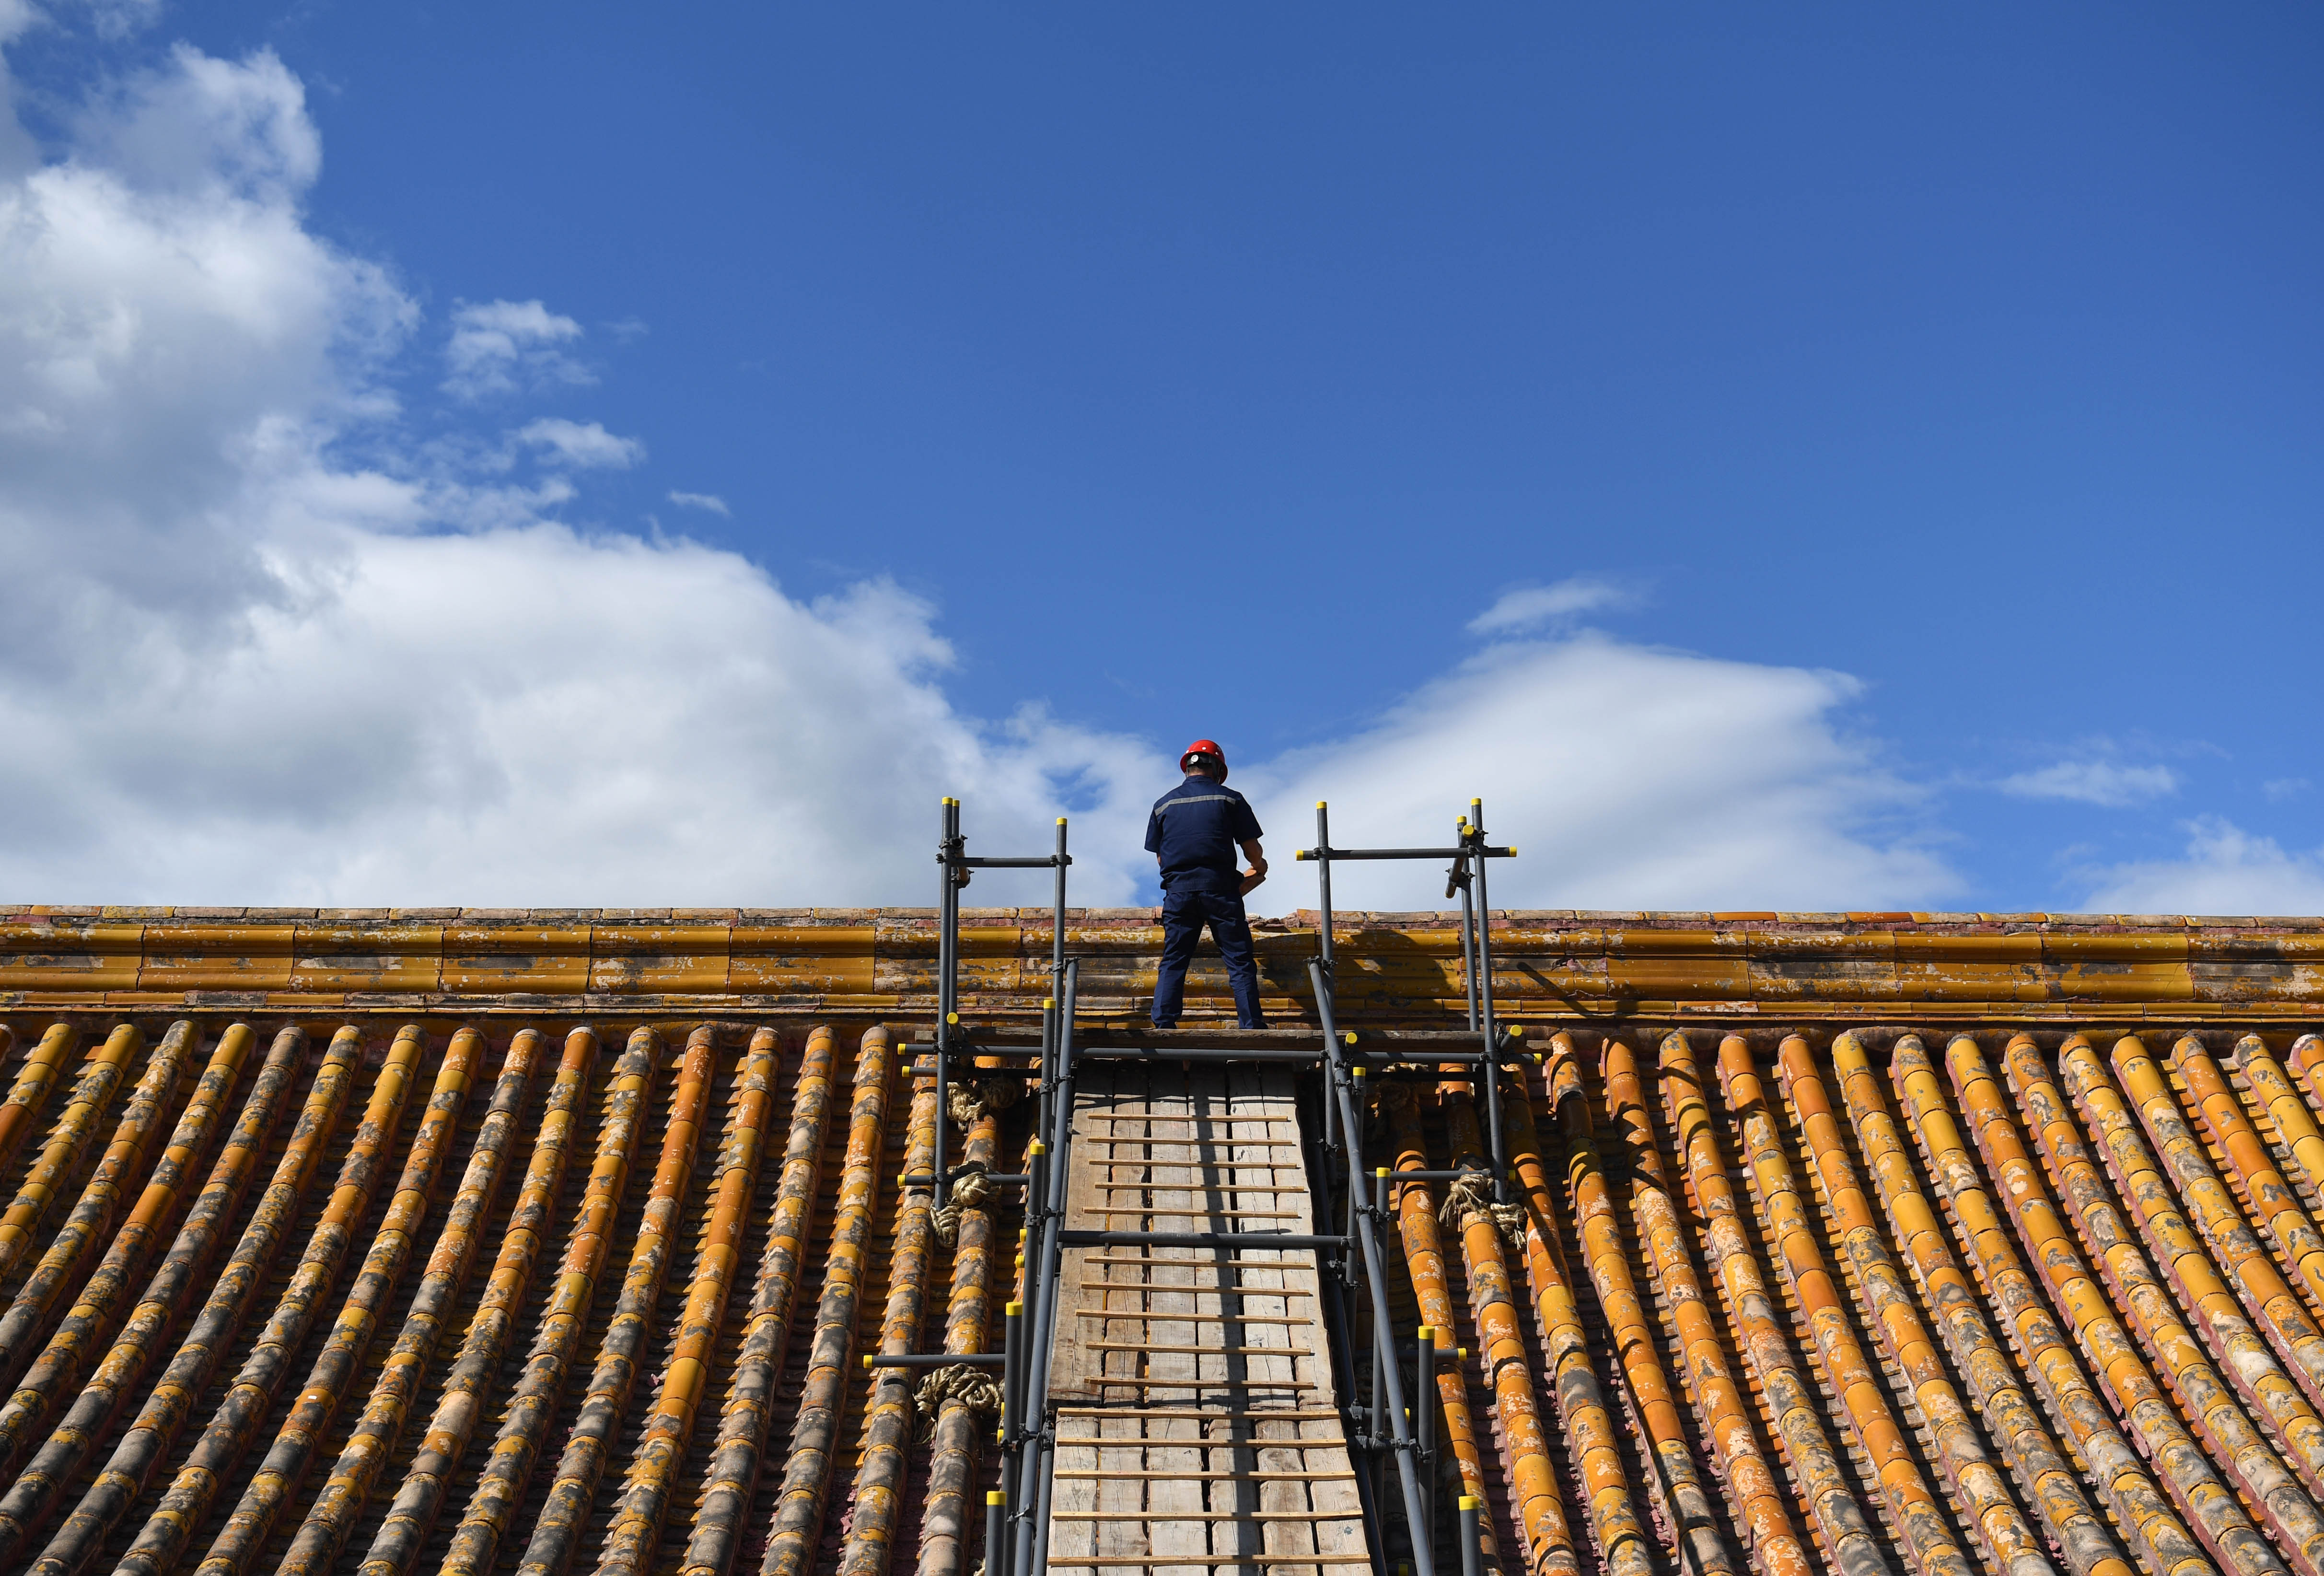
x=1391, y=1425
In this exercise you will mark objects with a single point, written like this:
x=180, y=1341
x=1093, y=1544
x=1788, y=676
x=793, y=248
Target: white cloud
x=2280, y=788
x=709, y=501
x=235, y=666
x=583, y=444
x=2093, y=782
x=500, y=346
x=1626, y=777
x=2225, y=870
x=1530, y=606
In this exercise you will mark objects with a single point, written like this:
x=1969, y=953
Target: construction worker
x=1194, y=833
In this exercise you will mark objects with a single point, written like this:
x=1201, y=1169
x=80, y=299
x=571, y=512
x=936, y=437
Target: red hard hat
x=1209, y=747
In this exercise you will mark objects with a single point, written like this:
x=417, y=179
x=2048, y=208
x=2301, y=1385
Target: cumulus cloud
x=500, y=346
x=1531, y=606
x=710, y=503
x=1627, y=777
x=2224, y=870
x=238, y=665
x=2094, y=782
x=583, y=444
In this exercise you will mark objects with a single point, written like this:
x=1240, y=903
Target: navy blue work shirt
x=1194, y=830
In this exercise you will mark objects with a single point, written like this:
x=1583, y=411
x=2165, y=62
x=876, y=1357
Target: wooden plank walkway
x=1198, y=1434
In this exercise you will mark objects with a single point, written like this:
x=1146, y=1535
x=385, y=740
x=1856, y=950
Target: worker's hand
x=1250, y=878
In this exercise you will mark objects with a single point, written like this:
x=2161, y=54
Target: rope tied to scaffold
x=971, y=1387
x=969, y=1191
x=972, y=1098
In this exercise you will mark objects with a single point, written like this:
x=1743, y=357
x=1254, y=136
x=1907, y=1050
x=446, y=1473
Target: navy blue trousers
x=1183, y=915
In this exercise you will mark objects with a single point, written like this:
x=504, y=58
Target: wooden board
x=1197, y=1434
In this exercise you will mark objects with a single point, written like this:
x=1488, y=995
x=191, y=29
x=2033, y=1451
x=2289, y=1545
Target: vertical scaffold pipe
x=26, y=1323
x=2210, y=1507
x=411, y=1516
x=185, y=1505
x=1978, y=1353
x=888, y=1419
x=2246, y=1362
x=66, y=1356
x=36, y=1080
x=92, y=1091
x=284, y=1466
x=573, y=1492
x=1590, y=1426
x=123, y=1480
x=116, y=1171
x=1758, y=1328
x=533, y=1409
x=315, y=1548
x=1976, y=1480
x=1753, y=1488
x=952, y=1463
x=635, y=1536
x=807, y=1472
x=1423, y=1258
x=743, y=1425
x=2163, y=1540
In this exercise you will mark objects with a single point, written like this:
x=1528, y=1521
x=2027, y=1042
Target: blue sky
x=1189, y=371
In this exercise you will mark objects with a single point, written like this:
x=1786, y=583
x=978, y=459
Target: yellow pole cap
x=1428, y=1334
x=1013, y=1308
x=868, y=1360
x=1048, y=1001
x=995, y=1496
x=1037, y=1148
x=1380, y=1172
x=1350, y=1036
x=1061, y=820
x=1513, y=848
x=1319, y=804
x=1355, y=1071
x=952, y=1018
x=1469, y=1502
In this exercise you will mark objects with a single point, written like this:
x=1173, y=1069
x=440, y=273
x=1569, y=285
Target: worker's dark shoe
x=1173, y=1026
x=1262, y=1024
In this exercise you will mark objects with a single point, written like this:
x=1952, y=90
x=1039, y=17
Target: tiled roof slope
x=1930, y=1244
